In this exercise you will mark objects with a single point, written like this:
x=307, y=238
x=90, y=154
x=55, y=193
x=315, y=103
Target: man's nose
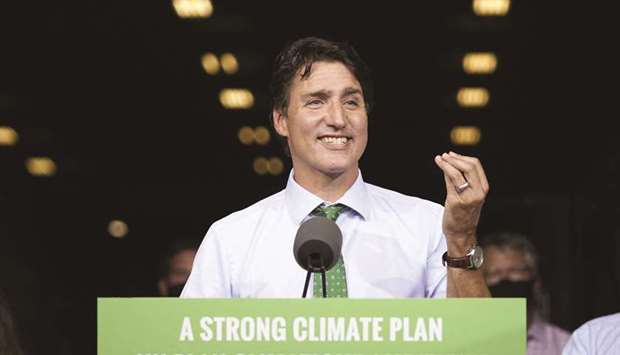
x=336, y=116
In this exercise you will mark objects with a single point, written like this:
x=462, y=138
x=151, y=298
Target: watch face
x=477, y=257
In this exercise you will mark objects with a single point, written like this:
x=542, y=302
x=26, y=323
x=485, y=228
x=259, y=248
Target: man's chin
x=333, y=168
x=336, y=170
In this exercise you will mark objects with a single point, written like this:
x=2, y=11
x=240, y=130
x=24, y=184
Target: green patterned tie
x=336, y=276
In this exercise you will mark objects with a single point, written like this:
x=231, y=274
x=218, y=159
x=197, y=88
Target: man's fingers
x=478, y=165
x=452, y=175
x=466, y=168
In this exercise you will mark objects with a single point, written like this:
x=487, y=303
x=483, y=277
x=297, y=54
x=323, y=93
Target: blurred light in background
x=275, y=166
x=261, y=166
x=193, y=8
x=465, y=135
x=8, y=136
x=236, y=99
x=246, y=135
x=491, y=7
x=210, y=63
x=118, y=229
x=472, y=97
x=40, y=166
x=229, y=62
x=262, y=135
x=479, y=63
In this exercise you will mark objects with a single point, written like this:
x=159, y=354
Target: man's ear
x=280, y=123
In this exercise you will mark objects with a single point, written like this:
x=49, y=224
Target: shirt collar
x=300, y=202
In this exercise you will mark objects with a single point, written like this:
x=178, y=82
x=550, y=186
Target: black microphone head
x=317, y=244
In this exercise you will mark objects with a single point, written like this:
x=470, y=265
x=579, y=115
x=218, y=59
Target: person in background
x=511, y=270
x=175, y=267
x=599, y=336
x=9, y=342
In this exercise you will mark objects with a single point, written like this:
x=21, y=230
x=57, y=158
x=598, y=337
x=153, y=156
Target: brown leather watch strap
x=461, y=263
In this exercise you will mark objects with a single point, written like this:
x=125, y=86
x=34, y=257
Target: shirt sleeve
x=578, y=342
x=210, y=276
x=437, y=275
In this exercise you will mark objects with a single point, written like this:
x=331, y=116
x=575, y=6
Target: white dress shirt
x=392, y=247
x=600, y=336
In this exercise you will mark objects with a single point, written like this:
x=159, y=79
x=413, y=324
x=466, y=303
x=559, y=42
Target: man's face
x=326, y=121
x=505, y=264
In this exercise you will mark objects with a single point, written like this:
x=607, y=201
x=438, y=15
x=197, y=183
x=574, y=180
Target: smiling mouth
x=335, y=140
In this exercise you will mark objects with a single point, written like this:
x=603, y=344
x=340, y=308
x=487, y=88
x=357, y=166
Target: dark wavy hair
x=300, y=55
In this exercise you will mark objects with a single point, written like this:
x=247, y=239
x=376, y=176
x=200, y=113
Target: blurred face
x=505, y=264
x=180, y=267
x=326, y=122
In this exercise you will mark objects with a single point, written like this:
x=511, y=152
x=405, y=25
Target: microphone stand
x=312, y=268
x=306, y=284
x=323, y=280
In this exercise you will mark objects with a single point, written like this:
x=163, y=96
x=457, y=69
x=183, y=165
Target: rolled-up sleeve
x=437, y=275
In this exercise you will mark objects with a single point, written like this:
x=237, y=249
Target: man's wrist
x=468, y=258
x=459, y=246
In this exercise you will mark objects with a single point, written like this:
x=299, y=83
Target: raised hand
x=466, y=191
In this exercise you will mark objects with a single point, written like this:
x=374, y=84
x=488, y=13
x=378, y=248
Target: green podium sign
x=171, y=326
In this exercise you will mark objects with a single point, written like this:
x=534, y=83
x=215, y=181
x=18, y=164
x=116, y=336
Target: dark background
x=114, y=92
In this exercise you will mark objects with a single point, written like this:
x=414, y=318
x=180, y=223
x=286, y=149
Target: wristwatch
x=471, y=261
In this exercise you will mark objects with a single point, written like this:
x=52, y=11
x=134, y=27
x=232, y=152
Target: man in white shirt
x=599, y=336
x=393, y=245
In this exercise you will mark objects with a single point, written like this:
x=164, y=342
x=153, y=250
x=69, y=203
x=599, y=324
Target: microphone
x=317, y=247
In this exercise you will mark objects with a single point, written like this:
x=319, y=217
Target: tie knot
x=330, y=212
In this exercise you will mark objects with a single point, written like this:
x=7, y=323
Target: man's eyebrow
x=351, y=91
x=321, y=94
x=324, y=94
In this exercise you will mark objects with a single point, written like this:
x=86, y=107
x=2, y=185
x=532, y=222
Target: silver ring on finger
x=462, y=187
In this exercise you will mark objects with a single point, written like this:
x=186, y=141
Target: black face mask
x=175, y=291
x=507, y=288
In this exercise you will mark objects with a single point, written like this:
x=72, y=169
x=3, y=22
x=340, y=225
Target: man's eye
x=314, y=103
x=352, y=103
